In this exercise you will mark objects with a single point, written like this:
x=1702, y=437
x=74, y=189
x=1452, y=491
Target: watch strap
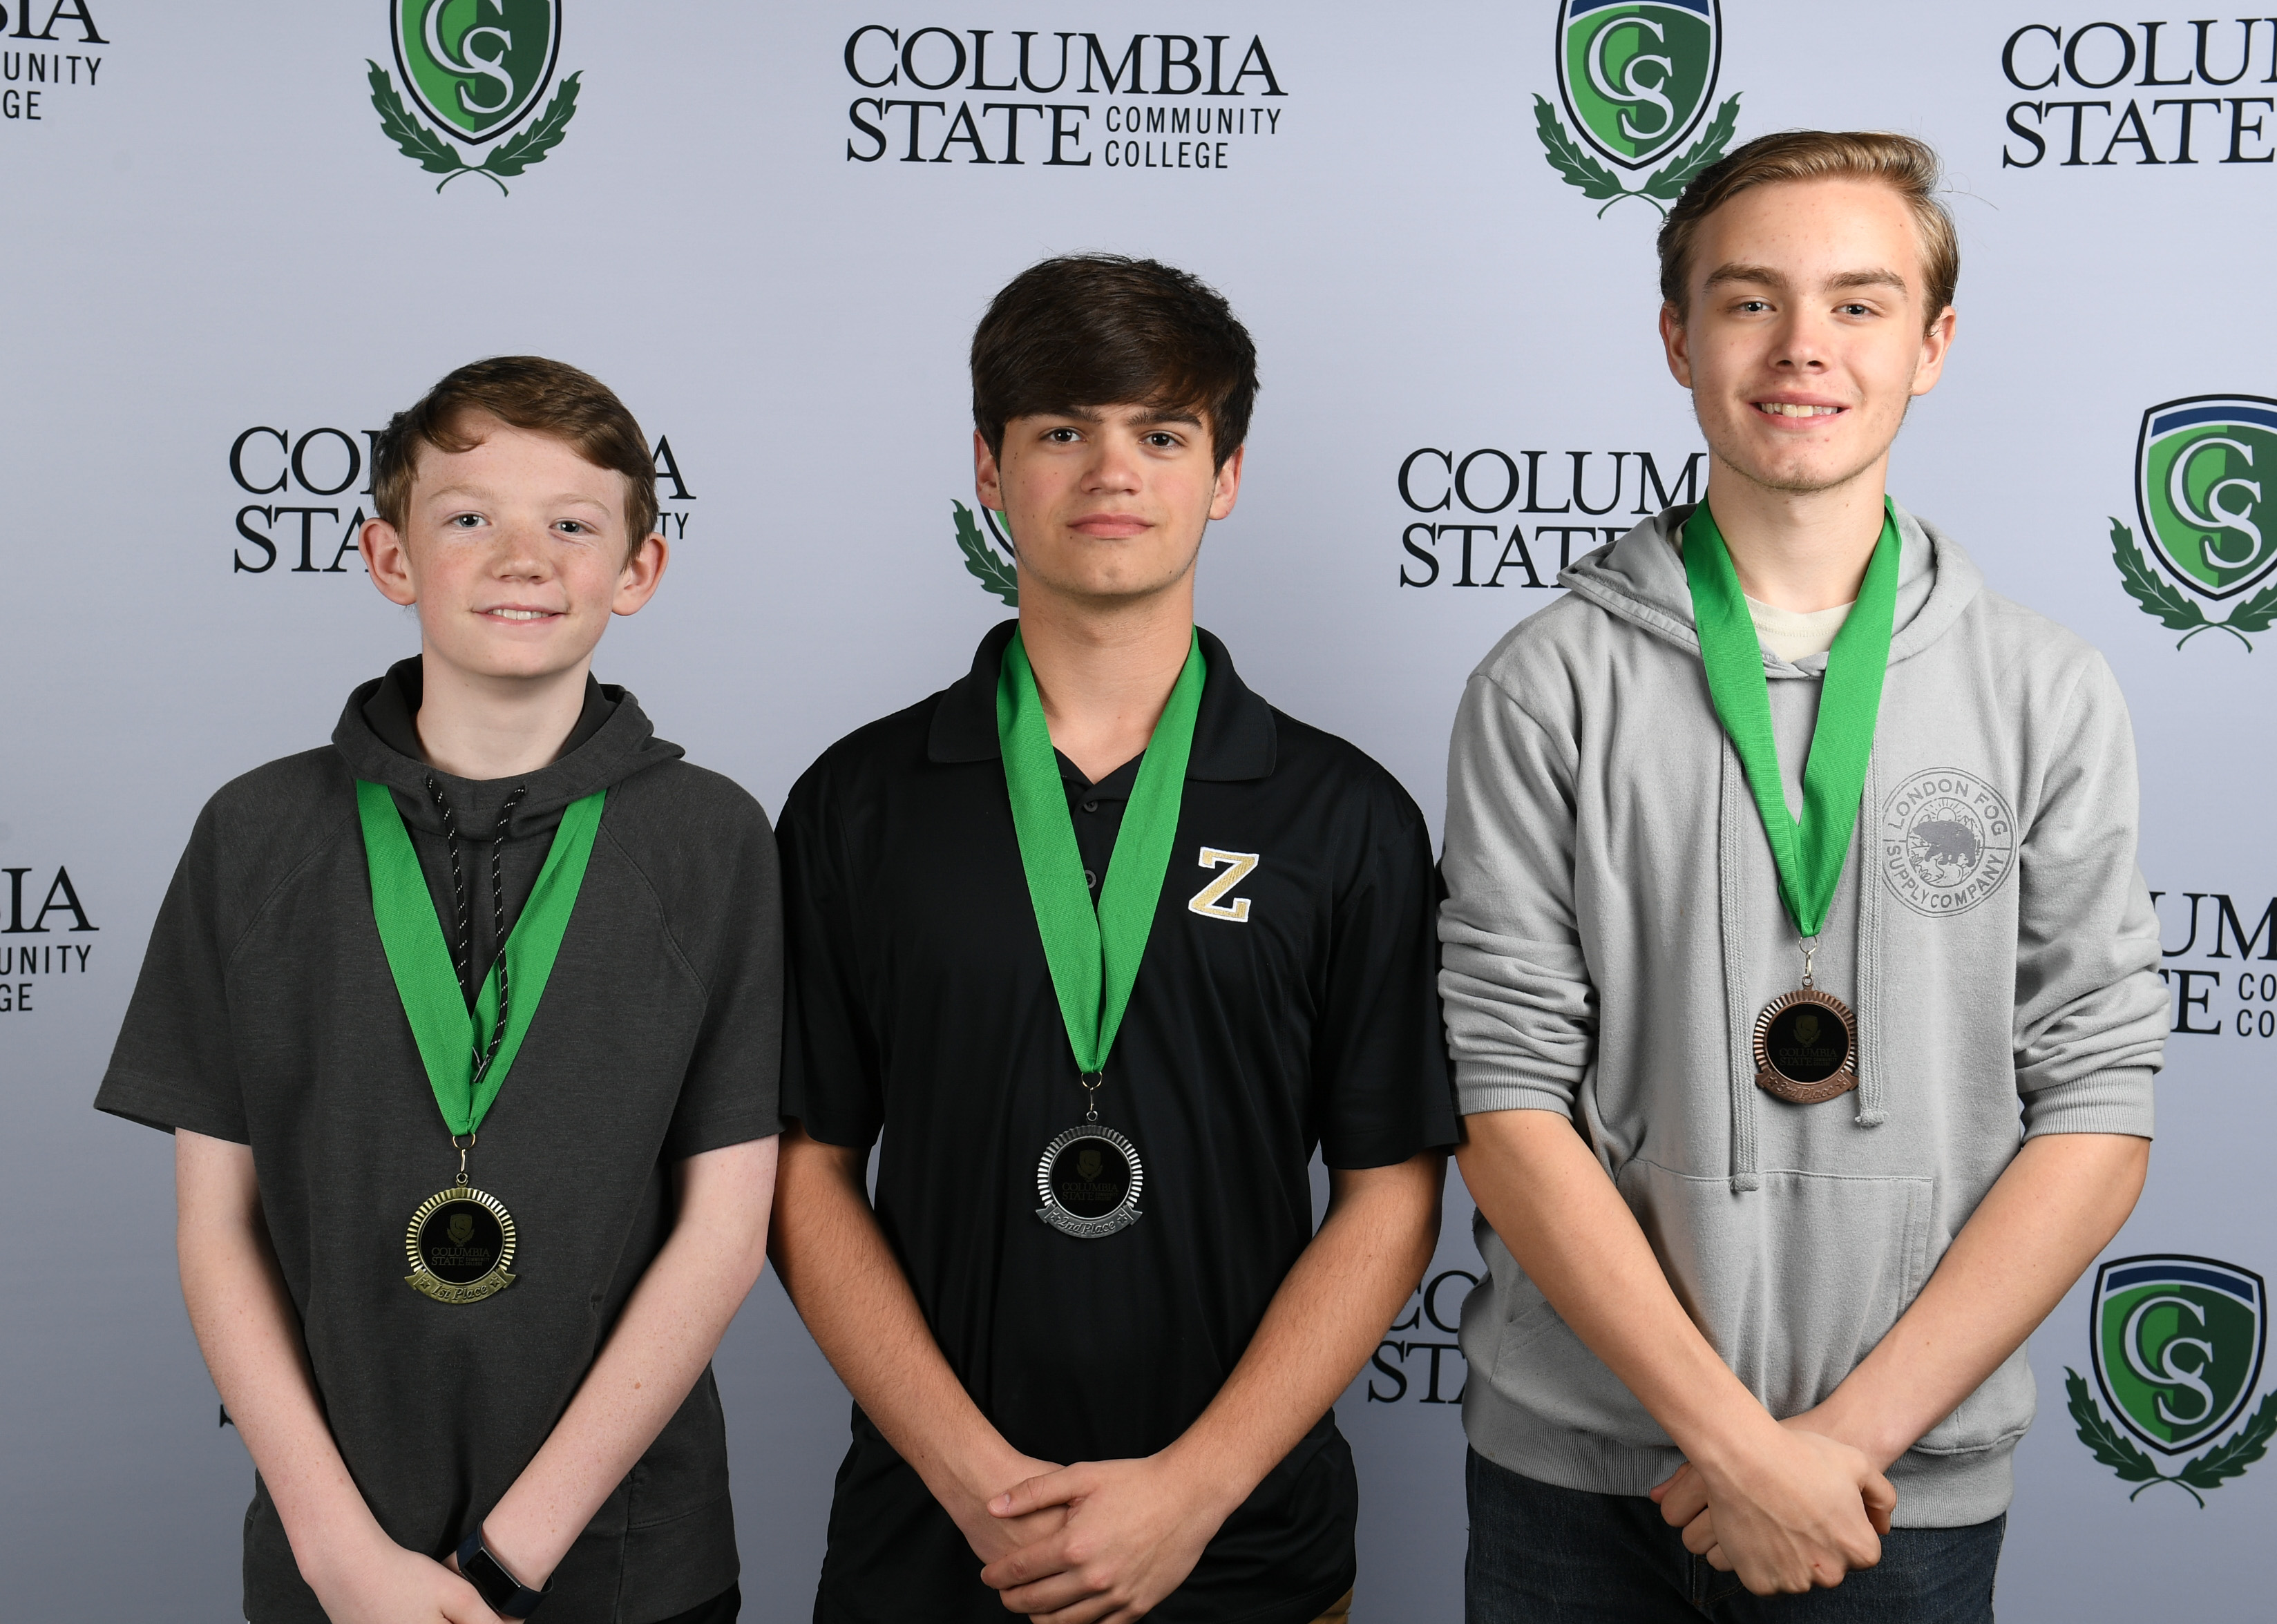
x=501, y=1592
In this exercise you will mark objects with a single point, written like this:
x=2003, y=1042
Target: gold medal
x=460, y=1242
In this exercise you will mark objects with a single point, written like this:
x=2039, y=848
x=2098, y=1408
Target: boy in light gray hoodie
x=1784, y=1130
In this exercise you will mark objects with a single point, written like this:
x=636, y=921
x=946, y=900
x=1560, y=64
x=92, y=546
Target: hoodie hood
x=612, y=741
x=1640, y=578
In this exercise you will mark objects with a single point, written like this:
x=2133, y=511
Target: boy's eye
x=574, y=526
x=1061, y=437
x=1854, y=310
x=1755, y=304
x=466, y=521
x=1162, y=441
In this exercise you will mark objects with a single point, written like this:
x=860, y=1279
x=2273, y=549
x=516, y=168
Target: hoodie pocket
x=1793, y=1283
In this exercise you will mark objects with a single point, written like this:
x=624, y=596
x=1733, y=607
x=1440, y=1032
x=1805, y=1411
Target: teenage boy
x=1105, y=945
x=498, y=965
x=1786, y=864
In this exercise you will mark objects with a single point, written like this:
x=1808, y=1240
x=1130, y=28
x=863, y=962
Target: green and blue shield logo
x=1635, y=75
x=478, y=68
x=2178, y=1345
x=475, y=66
x=2205, y=488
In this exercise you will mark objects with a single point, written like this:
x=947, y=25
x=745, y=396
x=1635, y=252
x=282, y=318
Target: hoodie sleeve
x=2090, y=1013
x=1521, y=1013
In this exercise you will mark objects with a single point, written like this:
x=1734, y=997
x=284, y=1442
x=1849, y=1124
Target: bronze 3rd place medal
x=461, y=1240
x=1089, y=1176
x=1806, y=1040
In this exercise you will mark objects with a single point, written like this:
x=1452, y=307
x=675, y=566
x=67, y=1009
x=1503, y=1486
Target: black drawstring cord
x=462, y=945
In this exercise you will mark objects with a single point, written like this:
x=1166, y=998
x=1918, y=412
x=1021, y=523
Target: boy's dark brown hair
x=1908, y=166
x=528, y=393
x=1090, y=330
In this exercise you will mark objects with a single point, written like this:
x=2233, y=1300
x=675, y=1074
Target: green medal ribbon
x=450, y=1037
x=1094, y=954
x=1810, y=855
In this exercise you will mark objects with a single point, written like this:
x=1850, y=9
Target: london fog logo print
x=2205, y=492
x=1948, y=839
x=478, y=68
x=1635, y=77
x=2176, y=1344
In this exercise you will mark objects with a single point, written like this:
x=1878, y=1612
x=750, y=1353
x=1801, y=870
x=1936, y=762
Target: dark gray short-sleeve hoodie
x=266, y=1014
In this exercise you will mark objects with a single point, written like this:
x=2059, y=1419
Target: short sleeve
x=730, y=1091
x=174, y=1065
x=832, y=1068
x=1380, y=1080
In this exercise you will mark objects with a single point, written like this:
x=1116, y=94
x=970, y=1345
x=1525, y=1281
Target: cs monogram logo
x=476, y=67
x=2177, y=1344
x=1205, y=900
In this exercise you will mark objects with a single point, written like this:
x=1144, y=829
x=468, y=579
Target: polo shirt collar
x=1233, y=733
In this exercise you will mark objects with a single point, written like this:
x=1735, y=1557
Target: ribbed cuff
x=2114, y=1102
x=1481, y=1086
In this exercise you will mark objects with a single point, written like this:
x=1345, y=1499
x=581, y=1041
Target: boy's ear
x=988, y=481
x=642, y=573
x=389, y=561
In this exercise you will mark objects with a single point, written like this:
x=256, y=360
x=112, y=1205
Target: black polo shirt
x=1293, y=1008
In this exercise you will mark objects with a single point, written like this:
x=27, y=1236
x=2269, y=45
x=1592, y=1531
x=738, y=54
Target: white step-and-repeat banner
x=237, y=238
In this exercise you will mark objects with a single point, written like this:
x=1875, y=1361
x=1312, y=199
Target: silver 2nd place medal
x=1090, y=1179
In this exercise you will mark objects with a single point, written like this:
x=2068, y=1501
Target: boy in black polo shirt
x=1105, y=945
x=496, y=946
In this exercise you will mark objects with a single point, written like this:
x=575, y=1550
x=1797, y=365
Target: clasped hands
x=1101, y=1542
x=1799, y=1508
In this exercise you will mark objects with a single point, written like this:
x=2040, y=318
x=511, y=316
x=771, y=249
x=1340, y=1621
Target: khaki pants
x=1339, y=1613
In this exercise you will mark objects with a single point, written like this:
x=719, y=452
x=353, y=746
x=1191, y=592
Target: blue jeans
x=1540, y=1553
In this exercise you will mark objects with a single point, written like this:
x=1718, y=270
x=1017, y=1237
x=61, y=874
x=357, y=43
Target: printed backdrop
x=239, y=238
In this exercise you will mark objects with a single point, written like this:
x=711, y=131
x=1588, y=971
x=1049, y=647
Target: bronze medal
x=460, y=1242
x=1806, y=1047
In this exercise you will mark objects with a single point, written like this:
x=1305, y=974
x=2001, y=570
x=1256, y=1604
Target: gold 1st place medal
x=460, y=1242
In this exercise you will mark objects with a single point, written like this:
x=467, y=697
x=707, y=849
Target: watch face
x=497, y=1587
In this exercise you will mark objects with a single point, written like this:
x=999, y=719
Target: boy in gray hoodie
x=1799, y=975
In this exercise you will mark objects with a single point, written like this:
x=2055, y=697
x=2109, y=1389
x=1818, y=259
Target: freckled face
x=515, y=552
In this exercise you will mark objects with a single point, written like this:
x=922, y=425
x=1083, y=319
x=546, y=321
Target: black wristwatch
x=500, y=1591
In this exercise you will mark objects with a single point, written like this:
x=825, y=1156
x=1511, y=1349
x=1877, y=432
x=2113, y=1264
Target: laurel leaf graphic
x=2173, y=611
x=540, y=136
x=2110, y=1446
x=2242, y=1449
x=1668, y=184
x=412, y=138
x=2256, y=613
x=983, y=561
x=1567, y=157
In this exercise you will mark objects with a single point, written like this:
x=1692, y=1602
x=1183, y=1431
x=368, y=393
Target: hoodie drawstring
x=1736, y=821
x=462, y=936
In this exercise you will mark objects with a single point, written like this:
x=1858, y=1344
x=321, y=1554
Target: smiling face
x=1807, y=333
x=515, y=552
x=1106, y=504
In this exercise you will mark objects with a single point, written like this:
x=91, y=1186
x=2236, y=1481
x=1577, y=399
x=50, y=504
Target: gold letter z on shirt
x=1205, y=900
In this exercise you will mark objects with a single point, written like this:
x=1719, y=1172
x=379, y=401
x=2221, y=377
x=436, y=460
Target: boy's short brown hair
x=528, y=393
x=1909, y=166
x=1090, y=330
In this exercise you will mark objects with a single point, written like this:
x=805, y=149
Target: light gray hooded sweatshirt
x=1614, y=925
